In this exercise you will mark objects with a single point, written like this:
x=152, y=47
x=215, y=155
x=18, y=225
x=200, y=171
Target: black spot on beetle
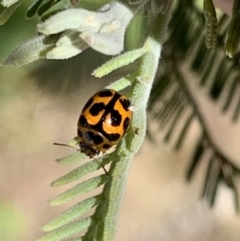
x=88, y=104
x=106, y=146
x=125, y=104
x=116, y=118
x=96, y=108
x=113, y=137
x=105, y=93
x=126, y=124
x=97, y=139
x=83, y=121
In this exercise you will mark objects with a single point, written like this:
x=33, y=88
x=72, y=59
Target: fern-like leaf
x=233, y=39
x=175, y=94
x=8, y=11
x=210, y=24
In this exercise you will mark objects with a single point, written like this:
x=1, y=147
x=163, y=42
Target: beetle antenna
x=61, y=144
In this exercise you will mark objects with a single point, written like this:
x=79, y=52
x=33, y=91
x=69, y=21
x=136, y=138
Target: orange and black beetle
x=103, y=122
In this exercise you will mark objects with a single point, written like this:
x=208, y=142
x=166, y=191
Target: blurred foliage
x=66, y=75
x=172, y=101
x=12, y=223
x=16, y=30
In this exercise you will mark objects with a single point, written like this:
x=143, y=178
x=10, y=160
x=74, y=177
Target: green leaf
x=52, y=9
x=169, y=109
x=70, y=19
x=199, y=56
x=184, y=131
x=66, y=231
x=231, y=93
x=219, y=80
x=67, y=46
x=207, y=176
x=45, y=5
x=233, y=33
x=173, y=125
x=72, y=213
x=213, y=182
x=210, y=24
x=102, y=31
x=31, y=50
x=121, y=83
x=81, y=171
x=118, y=62
x=195, y=160
x=207, y=70
x=79, y=189
x=8, y=3
x=7, y=13
x=32, y=10
x=71, y=158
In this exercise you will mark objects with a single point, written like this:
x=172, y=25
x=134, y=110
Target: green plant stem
x=114, y=188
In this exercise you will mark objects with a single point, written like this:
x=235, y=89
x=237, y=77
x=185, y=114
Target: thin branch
x=197, y=111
